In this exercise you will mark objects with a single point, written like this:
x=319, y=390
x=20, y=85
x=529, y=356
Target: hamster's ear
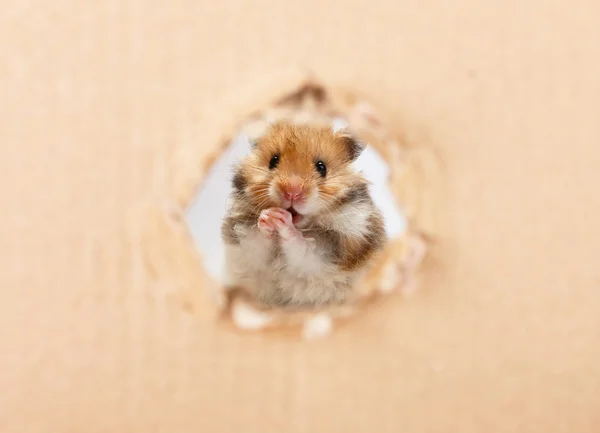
x=354, y=147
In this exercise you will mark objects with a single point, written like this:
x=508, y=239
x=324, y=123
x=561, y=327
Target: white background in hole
x=205, y=214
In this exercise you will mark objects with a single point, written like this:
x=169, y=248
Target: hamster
x=302, y=227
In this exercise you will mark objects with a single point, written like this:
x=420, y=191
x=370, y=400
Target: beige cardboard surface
x=97, y=98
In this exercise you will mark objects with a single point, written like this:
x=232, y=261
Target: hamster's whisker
x=334, y=199
x=260, y=205
x=327, y=203
x=256, y=170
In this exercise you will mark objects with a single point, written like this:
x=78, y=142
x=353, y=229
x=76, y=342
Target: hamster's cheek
x=310, y=206
x=274, y=193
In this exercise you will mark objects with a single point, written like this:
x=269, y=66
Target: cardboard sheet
x=97, y=101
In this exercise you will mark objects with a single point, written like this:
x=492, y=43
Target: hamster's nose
x=292, y=192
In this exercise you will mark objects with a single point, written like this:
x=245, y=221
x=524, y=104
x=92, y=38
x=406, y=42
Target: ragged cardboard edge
x=170, y=255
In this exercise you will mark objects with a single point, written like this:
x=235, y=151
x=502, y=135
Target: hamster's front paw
x=285, y=225
x=266, y=223
x=280, y=220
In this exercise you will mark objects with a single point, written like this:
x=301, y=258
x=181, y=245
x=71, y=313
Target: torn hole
x=382, y=163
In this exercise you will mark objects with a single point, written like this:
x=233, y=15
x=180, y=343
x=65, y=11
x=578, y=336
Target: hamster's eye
x=321, y=168
x=273, y=162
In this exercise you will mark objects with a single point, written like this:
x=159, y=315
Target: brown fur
x=299, y=147
x=355, y=252
x=343, y=221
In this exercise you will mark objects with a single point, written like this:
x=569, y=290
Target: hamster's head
x=304, y=169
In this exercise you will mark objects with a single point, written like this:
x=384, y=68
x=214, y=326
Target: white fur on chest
x=287, y=272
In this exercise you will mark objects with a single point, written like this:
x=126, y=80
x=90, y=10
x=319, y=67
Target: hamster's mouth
x=296, y=217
